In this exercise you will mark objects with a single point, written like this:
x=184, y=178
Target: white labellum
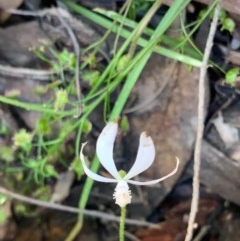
x=122, y=194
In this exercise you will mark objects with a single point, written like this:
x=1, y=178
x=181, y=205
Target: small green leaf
x=67, y=60
x=32, y=164
x=3, y=199
x=23, y=139
x=222, y=15
x=87, y=126
x=228, y=24
x=61, y=99
x=40, y=90
x=20, y=208
x=63, y=57
x=42, y=126
x=124, y=124
x=122, y=63
x=56, y=67
x=91, y=77
x=7, y=153
x=3, y=217
x=231, y=76
x=50, y=171
x=77, y=167
x=90, y=61
x=4, y=129
x=202, y=13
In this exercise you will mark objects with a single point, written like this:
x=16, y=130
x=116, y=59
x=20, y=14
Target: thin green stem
x=40, y=145
x=75, y=230
x=127, y=88
x=36, y=107
x=124, y=11
x=143, y=25
x=122, y=223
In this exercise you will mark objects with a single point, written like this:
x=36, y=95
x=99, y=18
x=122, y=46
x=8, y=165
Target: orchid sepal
x=92, y=174
x=152, y=182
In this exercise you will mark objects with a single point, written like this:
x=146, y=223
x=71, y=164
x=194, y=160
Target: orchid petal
x=91, y=174
x=157, y=180
x=104, y=148
x=145, y=156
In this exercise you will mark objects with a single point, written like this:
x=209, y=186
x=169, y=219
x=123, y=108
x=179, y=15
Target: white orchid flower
x=144, y=159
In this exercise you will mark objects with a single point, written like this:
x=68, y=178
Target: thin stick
x=91, y=213
x=40, y=13
x=200, y=126
x=38, y=74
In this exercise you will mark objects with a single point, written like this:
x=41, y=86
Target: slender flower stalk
x=122, y=223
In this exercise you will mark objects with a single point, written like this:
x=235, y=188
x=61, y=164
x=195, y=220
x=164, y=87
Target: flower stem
x=122, y=223
x=74, y=232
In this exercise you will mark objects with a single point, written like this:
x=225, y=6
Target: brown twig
x=91, y=213
x=26, y=72
x=40, y=13
x=200, y=125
